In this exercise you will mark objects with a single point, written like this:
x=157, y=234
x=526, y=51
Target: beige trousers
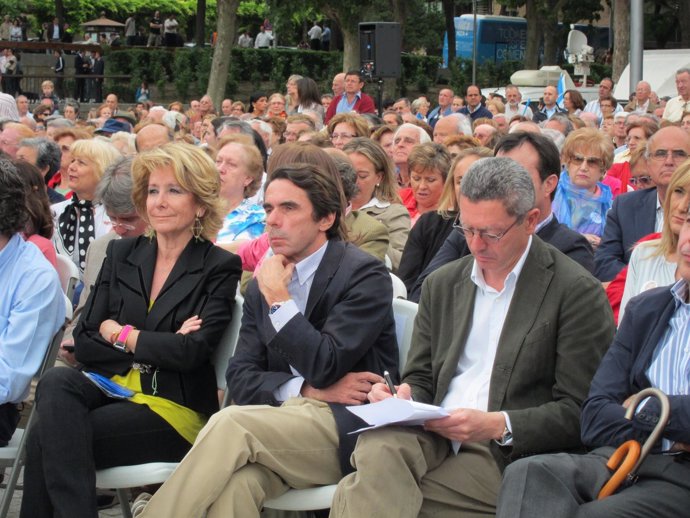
x=246, y=454
x=406, y=472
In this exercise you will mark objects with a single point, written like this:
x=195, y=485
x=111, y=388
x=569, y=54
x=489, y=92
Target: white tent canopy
x=658, y=69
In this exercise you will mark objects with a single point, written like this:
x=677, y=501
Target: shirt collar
x=374, y=202
x=307, y=267
x=478, y=277
x=680, y=293
x=544, y=222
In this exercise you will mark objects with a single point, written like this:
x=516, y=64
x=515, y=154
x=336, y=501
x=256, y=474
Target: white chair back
x=68, y=274
x=399, y=288
x=228, y=342
x=404, y=312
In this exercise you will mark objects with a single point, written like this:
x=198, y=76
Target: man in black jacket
x=317, y=333
x=539, y=155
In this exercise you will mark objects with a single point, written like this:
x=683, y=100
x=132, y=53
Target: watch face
x=120, y=347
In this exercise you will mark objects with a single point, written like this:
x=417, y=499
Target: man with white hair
x=453, y=124
x=444, y=108
x=8, y=107
x=642, y=103
x=265, y=131
x=406, y=137
x=338, y=85
x=513, y=105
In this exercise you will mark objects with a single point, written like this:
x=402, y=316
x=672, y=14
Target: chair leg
x=123, y=497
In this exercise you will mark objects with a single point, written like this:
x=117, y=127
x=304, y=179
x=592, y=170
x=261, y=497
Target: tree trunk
x=534, y=32
x=227, y=20
x=684, y=22
x=449, y=15
x=60, y=12
x=200, y=36
x=621, y=38
x=350, y=47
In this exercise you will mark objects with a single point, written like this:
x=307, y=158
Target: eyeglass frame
x=592, y=161
x=342, y=136
x=485, y=236
x=662, y=154
x=634, y=180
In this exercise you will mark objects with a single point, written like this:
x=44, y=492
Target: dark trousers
x=80, y=89
x=59, y=80
x=315, y=44
x=80, y=430
x=98, y=90
x=9, y=419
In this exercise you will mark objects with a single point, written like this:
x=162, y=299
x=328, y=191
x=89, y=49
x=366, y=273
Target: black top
x=425, y=239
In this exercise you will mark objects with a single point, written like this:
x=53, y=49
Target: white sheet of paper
x=394, y=411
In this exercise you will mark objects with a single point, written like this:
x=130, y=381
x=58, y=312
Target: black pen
x=389, y=382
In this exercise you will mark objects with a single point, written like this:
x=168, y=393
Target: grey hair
x=115, y=188
x=348, y=175
x=264, y=127
x=231, y=122
x=48, y=153
x=684, y=70
x=562, y=118
x=501, y=179
x=423, y=135
x=60, y=122
x=464, y=124
x=555, y=135
x=73, y=104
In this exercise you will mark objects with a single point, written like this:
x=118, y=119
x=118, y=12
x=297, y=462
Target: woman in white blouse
x=653, y=263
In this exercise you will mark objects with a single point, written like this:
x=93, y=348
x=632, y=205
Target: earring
x=197, y=228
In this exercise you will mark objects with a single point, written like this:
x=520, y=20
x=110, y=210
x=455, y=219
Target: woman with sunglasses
x=582, y=200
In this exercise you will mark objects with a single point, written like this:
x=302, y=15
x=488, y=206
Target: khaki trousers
x=246, y=454
x=406, y=472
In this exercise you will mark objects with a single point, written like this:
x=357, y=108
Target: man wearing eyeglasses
x=352, y=99
x=507, y=341
x=636, y=214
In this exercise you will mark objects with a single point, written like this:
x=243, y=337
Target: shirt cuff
x=283, y=315
x=509, y=442
x=290, y=388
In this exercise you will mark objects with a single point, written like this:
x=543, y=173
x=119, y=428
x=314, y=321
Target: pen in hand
x=389, y=382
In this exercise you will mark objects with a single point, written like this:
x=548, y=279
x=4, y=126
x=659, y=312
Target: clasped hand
x=273, y=278
x=351, y=389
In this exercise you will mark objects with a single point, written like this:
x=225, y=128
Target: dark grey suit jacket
x=632, y=216
x=558, y=327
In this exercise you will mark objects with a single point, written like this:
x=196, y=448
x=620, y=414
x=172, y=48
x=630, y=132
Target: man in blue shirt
x=444, y=108
x=32, y=305
x=649, y=350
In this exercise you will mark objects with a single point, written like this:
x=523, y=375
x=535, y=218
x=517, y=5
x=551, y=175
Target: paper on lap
x=395, y=411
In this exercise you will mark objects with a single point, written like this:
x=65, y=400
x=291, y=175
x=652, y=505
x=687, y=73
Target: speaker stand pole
x=379, y=95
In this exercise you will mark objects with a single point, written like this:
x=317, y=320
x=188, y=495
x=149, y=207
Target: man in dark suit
x=81, y=67
x=649, y=350
x=539, y=155
x=98, y=70
x=636, y=214
x=317, y=333
x=507, y=341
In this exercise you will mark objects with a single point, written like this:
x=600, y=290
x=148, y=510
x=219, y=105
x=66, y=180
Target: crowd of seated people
x=161, y=208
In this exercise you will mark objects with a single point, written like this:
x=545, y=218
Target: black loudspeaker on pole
x=379, y=53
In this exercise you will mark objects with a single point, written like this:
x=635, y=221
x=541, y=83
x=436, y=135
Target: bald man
x=642, y=103
x=338, y=85
x=151, y=136
x=550, y=107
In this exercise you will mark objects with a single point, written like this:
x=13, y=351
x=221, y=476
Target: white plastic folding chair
x=399, y=288
x=68, y=274
x=13, y=454
x=321, y=497
x=121, y=478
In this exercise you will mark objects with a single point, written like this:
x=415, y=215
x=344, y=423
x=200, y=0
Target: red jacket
x=364, y=104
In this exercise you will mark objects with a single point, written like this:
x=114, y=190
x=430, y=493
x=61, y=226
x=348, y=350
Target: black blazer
x=348, y=326
x=632, y=216
x=623, y=372
x=203, y=282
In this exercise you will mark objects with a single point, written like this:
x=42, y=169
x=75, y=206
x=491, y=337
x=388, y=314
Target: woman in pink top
x=39, y=227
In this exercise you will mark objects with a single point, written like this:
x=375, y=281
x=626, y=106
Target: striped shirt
x=670, y=367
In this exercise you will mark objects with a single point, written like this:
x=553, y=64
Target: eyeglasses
x=592, y=161
x=342, y=136
x=115, y=222
x=485, y=236
x=296, y=134
x=677, y=155
x=642, y=180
